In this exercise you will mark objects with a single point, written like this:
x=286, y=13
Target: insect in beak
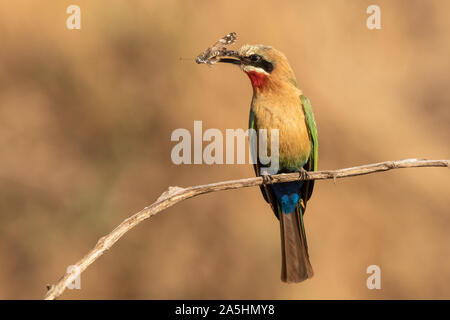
x=219, y=53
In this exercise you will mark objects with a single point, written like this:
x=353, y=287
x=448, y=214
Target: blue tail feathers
x=288, y=195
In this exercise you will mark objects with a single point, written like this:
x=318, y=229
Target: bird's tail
x=295, y=258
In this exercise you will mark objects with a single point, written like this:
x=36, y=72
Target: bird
x=279, y=103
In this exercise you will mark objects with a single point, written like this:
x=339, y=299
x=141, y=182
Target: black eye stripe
x=259, y=62
x=266, y=65
x=255, y=58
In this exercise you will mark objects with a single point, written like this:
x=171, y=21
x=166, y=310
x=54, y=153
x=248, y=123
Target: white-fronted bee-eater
x=278, y=103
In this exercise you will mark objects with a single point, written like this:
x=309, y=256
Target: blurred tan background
x=85, y=124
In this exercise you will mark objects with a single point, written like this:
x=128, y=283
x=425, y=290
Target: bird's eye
x=255, y=58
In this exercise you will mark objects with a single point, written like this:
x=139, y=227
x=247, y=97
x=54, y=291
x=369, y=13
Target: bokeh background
x=85, y=123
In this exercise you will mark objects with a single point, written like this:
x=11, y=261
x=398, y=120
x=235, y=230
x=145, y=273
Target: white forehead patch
x=248, y=49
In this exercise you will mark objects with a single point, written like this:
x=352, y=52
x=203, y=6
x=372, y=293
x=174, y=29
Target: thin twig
x=176, y=194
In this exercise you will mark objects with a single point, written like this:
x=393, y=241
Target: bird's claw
x=267, y=179
x=303, y=174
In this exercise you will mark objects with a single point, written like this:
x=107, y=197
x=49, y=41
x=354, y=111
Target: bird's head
x=266, y=67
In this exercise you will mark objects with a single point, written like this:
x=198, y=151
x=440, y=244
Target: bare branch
x=174, y=195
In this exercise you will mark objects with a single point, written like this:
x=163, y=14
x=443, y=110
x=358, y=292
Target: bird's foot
x=303, y=174
x=267, y=179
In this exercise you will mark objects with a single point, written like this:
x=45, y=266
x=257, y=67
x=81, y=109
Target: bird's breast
x=288, y=117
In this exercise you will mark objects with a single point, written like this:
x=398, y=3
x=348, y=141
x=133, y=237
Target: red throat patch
x=257, y=79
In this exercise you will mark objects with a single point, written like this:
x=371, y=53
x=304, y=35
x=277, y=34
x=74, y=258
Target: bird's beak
x=231, y=57
x=230, y=60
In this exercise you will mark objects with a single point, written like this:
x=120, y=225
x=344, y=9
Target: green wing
x=252, y=125
x=311, y=164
